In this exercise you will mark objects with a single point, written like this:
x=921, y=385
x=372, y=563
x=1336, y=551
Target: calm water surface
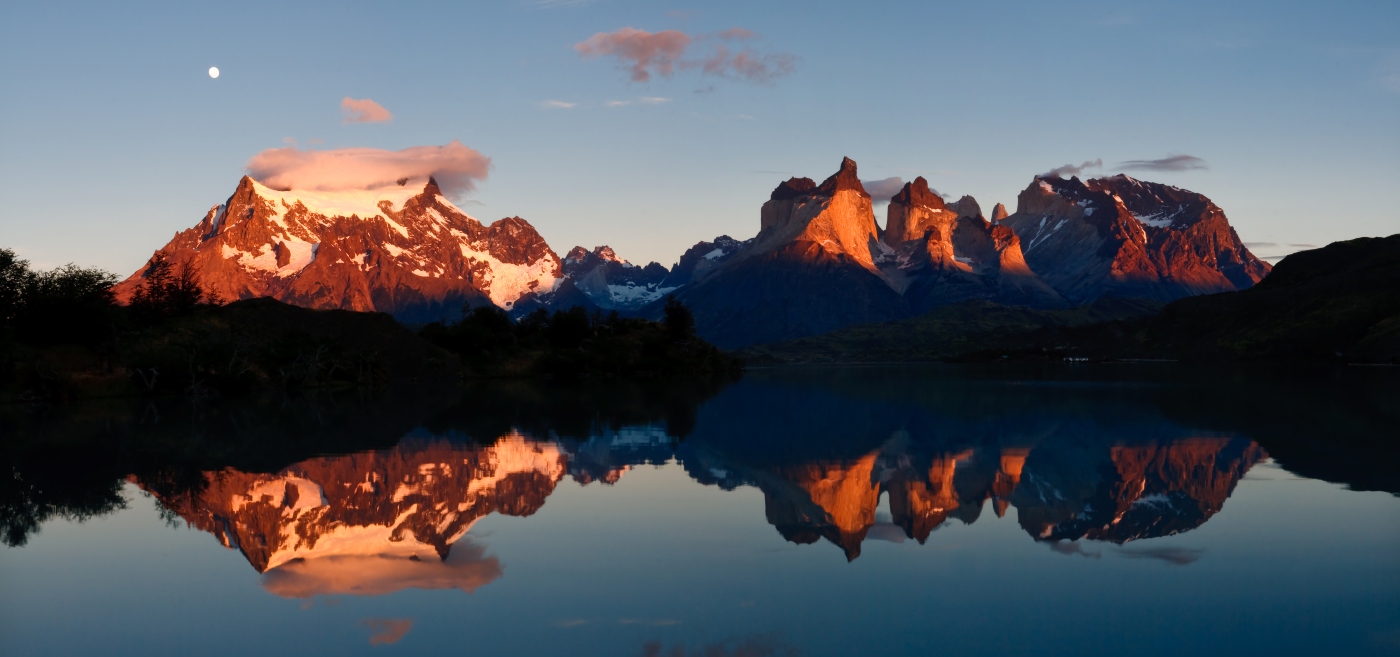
x=1146, y=510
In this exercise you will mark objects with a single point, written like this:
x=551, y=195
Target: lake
x=1145, y=509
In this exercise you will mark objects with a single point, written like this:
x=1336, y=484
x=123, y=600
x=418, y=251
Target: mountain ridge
x=819, y=262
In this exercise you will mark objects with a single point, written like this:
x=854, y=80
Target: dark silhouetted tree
x=679, y=323
x=163, y=291
x=67, y=304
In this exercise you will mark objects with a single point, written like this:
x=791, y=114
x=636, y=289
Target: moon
x=213, y=71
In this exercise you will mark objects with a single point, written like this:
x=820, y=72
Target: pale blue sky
x=113, y=137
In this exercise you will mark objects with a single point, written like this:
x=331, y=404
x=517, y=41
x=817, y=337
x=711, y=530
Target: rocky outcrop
x=837, y=216
x=915, y=211
x=820, y=263
x=611, y=283
x=945, y=253
x=1123, y=237
x=998, y=213
x=811, y=268
x=699, y=260
x=401, y=250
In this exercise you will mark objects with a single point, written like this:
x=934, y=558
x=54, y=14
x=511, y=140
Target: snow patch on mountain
x=637, y=294
x=507, y=282
x=362, y=203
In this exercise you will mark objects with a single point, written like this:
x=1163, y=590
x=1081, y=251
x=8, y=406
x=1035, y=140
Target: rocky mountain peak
x=966, y=207
x=431, y=189
x=917, y=193
x=576, y=254
x=606, y=253
x=844, y=179
x=999, y=212
x=403, y=249
x=792, y=188
x=1130, y=238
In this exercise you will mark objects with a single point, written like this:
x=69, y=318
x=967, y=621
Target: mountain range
x=819, y=262
x=1338, y=303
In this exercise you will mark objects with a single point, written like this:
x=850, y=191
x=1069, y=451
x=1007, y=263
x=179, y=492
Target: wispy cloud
x=363, y=110
x=1060, y=171
x=737, y=34
x=1174, y=556
x=466, y=568
x=645, y=55
x=1072, y=548
x=387, y=631
x=1171, y=163
x=456, y=167
x=644, y=100
x=557, y=104
x=881, y=190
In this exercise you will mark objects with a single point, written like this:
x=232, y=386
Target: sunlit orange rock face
x=1129, y=238
x=836, y=216
x=1155, y=490
x=402, y=250
x=823, y=500
x=376, y=521
x=838, y=500
x=919, y=504
x=942, y=253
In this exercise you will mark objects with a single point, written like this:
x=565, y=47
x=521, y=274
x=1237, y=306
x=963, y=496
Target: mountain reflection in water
x=1108, y=509
x=822, y=447
x=376, y=522
x=1077, y=457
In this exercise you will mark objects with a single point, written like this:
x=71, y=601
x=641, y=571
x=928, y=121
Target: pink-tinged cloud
x=749, y=65
x=467, y=568
x=646, y=54
x=363, y=111
x=643, y=53
x=456, y=168
x=387, y=631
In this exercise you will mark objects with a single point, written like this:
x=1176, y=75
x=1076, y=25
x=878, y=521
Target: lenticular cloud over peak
x=456, y=167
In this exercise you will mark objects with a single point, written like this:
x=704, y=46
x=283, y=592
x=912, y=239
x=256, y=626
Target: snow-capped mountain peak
x=402, y=249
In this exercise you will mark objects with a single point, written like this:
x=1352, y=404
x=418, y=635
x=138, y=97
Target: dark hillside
x=1340, y=303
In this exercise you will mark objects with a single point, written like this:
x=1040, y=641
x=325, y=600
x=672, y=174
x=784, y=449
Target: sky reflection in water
x=813, y=512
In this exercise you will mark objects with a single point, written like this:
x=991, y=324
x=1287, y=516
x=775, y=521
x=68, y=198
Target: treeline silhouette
x=63, y=336
x=575, y=344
